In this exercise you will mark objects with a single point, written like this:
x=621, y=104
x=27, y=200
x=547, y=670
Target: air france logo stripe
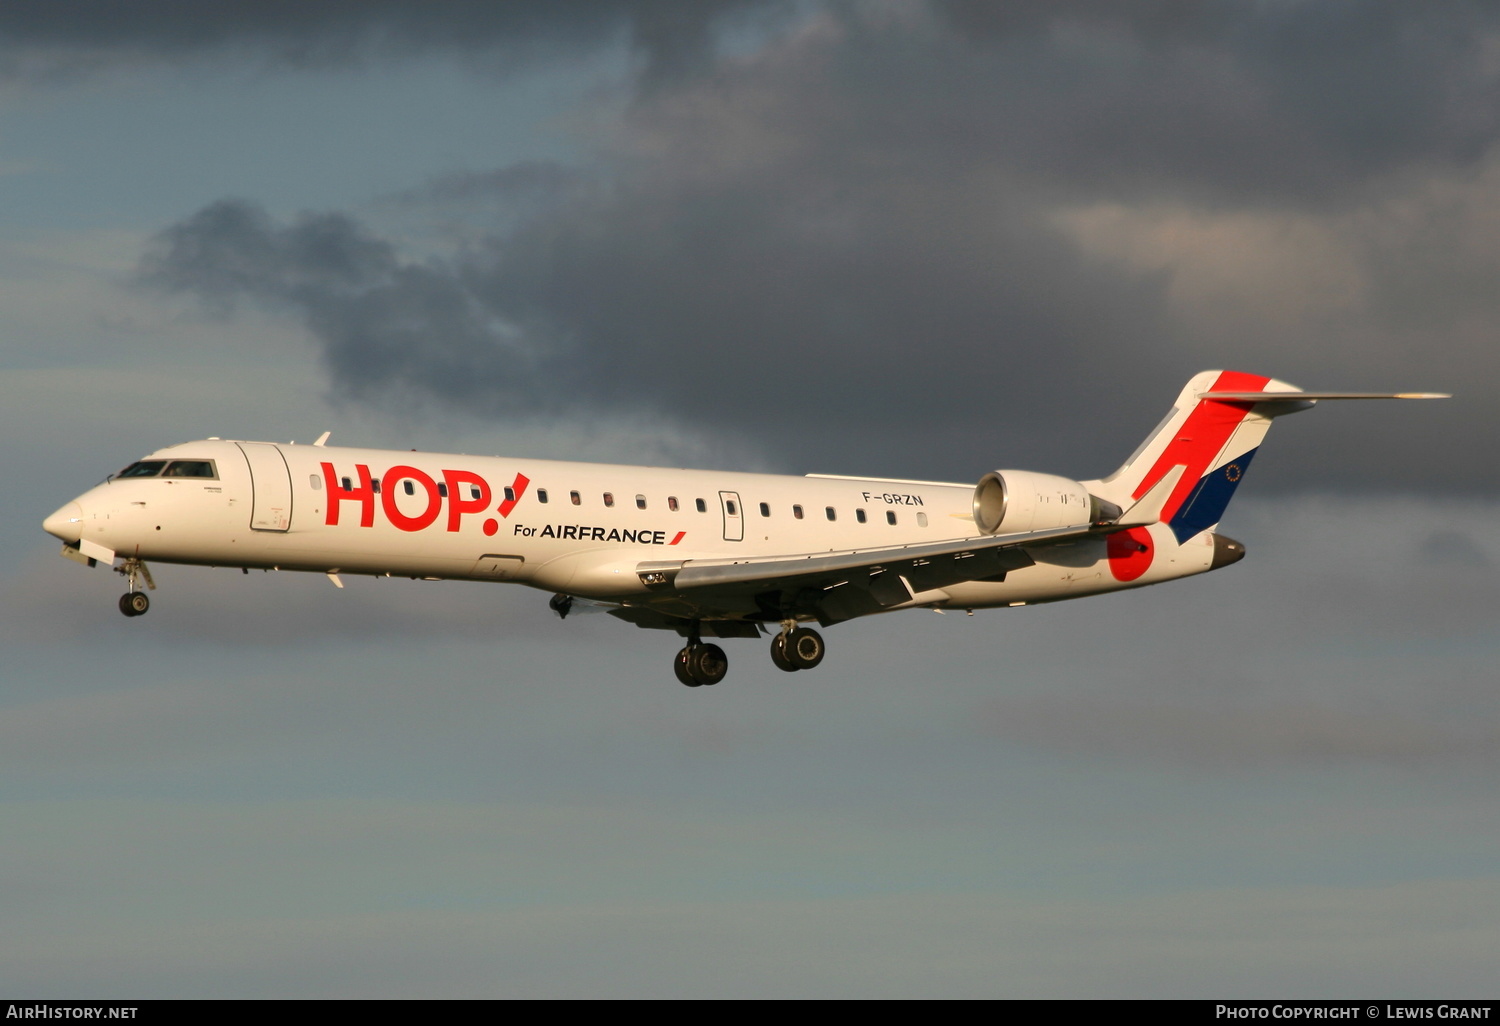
x=517, y=489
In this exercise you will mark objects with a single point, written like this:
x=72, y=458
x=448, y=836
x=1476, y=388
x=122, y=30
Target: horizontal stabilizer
x=1298, y=397
x=1149, y=509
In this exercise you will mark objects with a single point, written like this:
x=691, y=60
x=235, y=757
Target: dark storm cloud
x=848, y=243
x=85, y=34
x=379, y=318
x=1231, y=102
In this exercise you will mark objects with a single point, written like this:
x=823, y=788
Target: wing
x=838, y=586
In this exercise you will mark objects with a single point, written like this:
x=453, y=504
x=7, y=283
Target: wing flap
x=836, y=586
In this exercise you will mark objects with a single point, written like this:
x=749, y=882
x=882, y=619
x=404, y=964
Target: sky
x=919, y=239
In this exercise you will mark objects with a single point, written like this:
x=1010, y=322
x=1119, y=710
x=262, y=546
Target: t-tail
x=1213, y=432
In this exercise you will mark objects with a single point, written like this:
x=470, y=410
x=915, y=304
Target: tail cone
x=1226, y=551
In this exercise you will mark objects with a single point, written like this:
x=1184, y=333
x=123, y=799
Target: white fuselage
x=579, y=528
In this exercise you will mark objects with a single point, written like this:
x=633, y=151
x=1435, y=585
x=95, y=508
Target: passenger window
x=510, y=494
x=859, y=515
x=831, y=514
x=921, y=519
x=408, y=484
x=702, y=506
x=765, y=509
x=672, y=503
x=375, y=485
x=443, y=489
x=576, y=500
x=145, y=468
x=191, y=468
x=609, y=498
x=349, y=488
x=640, y=502
x=316, y=482
x=797, y=512
x=890, y=516
x=541, y=494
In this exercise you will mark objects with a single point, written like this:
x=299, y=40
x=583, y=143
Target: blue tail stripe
x=1205, y=506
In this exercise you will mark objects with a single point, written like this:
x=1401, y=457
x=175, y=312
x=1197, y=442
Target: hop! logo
x=462, y=490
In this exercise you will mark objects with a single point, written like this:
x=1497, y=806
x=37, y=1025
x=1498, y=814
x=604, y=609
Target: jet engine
x=1017, y=501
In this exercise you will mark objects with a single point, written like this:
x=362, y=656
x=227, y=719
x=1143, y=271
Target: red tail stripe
x=1200, y=438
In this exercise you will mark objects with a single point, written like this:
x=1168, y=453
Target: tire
x=134, y=603
x=779, y=656
x=805, y=648
x=680, y=667
x=708, y=664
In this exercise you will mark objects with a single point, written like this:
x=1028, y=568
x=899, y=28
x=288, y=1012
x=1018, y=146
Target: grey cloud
x=85, y=35
x=379, y=317
x=1454, y=549
x=846, y=243
x=1271, y=103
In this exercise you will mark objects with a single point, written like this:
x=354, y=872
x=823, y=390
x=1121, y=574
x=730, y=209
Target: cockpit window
x=191, y=468
x=144, y=468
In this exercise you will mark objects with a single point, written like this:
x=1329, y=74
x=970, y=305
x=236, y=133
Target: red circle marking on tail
x=1129, y=553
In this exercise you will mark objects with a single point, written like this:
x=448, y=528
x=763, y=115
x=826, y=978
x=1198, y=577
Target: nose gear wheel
x=134, y=602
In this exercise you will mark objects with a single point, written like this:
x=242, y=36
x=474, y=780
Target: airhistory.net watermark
x=45, y=1011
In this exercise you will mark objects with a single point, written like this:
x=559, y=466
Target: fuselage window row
x=409, y=486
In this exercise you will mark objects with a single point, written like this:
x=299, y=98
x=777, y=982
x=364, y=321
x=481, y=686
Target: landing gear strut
x=135, y=602
x=797, y=648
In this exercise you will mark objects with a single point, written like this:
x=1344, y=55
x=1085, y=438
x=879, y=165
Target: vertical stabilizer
x=1214, y=439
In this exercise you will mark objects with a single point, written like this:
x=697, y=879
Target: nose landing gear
x=135, y=602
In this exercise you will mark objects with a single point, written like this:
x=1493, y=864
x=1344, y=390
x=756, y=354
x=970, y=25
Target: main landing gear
x=795, y=648
x=135, y=602
x=699, y=664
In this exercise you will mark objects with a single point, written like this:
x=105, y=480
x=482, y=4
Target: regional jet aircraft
x=706, y=554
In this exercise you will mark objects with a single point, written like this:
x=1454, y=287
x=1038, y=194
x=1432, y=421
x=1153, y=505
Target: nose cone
x=1226, y=551
x=66, y=523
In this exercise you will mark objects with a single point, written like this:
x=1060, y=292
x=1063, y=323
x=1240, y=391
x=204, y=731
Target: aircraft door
x=271, y=487
x=734, y=516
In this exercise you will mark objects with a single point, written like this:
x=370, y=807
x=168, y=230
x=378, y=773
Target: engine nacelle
x=1017, y=501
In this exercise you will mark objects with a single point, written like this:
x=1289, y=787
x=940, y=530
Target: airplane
x=706, y=554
